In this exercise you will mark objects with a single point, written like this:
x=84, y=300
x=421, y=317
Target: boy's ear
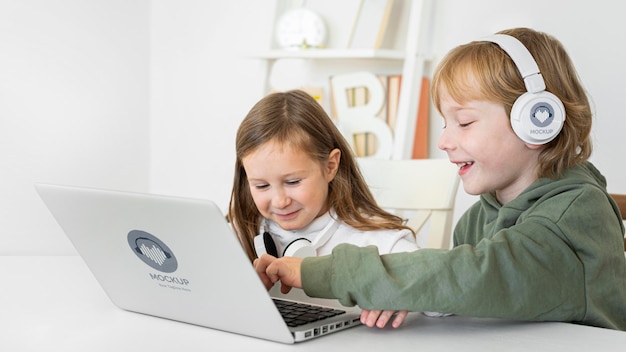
x=332, y=164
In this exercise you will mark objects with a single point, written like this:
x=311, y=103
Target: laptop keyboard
x=296, y=314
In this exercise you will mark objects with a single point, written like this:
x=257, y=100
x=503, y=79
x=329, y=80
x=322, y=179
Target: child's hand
x=380, y=318
x=286, y=270
x=260, y=264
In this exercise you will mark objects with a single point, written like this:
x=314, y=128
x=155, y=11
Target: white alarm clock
x=301, y=29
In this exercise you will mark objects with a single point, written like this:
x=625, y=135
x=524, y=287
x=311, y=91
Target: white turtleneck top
x=387, y=241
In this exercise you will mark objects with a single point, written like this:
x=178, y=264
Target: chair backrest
x=425, y=189
x=620, y=199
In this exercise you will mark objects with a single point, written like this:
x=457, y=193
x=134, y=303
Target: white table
x=54, y=303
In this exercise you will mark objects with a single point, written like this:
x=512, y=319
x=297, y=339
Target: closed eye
x=293, y=182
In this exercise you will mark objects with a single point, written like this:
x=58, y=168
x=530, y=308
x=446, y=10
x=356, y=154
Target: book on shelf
x=420, y=138
x=394, y=82
x=362, y=141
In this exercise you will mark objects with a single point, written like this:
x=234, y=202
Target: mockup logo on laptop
x=152, y=251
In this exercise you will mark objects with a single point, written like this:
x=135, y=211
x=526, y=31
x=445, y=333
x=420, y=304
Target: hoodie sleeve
x=558, y=262
x=476, y=281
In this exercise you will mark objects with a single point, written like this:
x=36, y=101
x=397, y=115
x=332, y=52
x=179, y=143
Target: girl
x=297, y=181
x=298, y=190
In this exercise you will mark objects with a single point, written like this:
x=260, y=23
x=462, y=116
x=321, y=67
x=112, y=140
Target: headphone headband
x=523, y=59
x=537, y=116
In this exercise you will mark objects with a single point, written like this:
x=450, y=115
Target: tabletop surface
x=54, y=303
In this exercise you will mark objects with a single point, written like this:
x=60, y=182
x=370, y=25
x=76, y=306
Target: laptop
x=178, y=258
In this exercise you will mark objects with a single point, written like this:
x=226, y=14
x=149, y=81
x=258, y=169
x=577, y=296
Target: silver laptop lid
x=169, y=257
x=176, y=258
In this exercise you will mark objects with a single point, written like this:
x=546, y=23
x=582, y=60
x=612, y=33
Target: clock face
x=300, y=29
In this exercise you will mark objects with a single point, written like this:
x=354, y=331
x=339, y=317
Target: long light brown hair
x=499, y=81
x=297, y=120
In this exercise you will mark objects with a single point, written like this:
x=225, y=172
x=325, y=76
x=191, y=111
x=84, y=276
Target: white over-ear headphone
x=536, y=116
x=300, y=247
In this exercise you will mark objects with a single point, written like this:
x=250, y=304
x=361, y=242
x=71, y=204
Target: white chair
x=423, y=189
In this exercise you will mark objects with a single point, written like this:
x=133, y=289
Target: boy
x=545, y=241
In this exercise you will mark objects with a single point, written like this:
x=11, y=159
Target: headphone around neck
x=300, y=247
x=537, y=116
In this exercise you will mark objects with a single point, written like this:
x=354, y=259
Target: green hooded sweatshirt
x=554, y=253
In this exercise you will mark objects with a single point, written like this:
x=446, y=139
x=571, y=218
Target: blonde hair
x=297, y=120
x=486, y=66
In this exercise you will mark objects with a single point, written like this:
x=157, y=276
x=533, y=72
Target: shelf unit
x=333, y=54
x=411, y=55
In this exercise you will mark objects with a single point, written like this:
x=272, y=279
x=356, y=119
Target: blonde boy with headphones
x=545, y=240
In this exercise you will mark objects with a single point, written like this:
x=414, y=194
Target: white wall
x=73, y=108
x=147, y=95
x=203, y=84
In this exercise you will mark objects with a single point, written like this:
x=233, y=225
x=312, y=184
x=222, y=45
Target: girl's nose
x=280, y=199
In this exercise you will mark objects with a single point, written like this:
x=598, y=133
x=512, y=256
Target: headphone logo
x=152, y=251
x=541, y=115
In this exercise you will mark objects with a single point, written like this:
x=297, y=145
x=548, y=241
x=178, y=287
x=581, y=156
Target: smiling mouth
x=464, y=165
x=286, y=215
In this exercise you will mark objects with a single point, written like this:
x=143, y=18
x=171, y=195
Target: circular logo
x=542, y=114
x=152, y=251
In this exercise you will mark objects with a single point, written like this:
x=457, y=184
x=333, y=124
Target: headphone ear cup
x=265, y=244
x=537, y=118
x=270, y=246
x=300, y=248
